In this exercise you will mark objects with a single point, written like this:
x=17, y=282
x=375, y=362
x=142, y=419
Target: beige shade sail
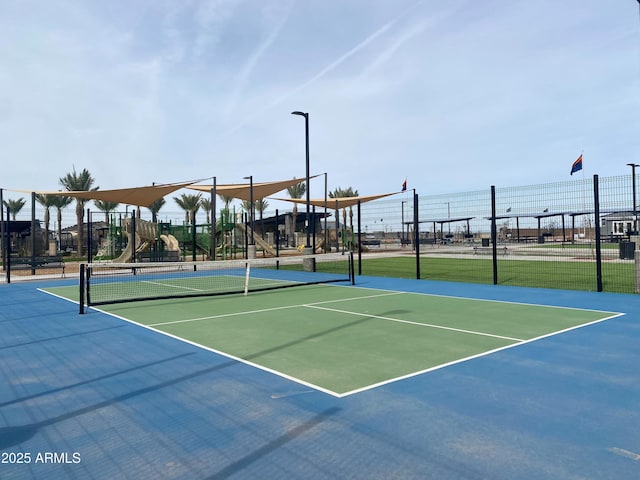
x=341, y=202
x=138, y=196
x=242, y=191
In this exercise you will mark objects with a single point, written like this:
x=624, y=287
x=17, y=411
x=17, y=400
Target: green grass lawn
x=616, y=277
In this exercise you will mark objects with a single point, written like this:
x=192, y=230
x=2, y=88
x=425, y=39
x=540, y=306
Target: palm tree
x=343, y=193
x=79, y=182
x=15, y=206
x=296, y=191
x=226, y=199
x=47, y=201
x=60, y=202
x=190, y=204
x=106, y=207
x=205, y=203
x=225, y=215
x=261, y=205
x=155, y=208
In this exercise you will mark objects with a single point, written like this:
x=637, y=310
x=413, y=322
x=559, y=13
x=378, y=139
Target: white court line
x=221, y=353
x=272, y=309
x=173, y=286
x=473, y=357
x=429, y=325
x=490, y=300
x=367, y=387
x=223, y=315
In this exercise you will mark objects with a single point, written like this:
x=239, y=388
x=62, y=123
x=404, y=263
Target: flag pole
x=584, y=200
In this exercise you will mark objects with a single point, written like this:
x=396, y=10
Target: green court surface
x=342, y=340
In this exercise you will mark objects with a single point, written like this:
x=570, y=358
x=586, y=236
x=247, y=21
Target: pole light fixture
x=306, y=136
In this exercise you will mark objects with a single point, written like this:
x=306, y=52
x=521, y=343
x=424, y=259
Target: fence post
x=82, y=288
x=8, y=245
x=359, y=240
x=133, y=227
x=636, y=256
x=3, y=230
x=416, y=233
x=494, y=235
x=89, y=239
x=596, y=204
x=212, y=241
x=33, y=233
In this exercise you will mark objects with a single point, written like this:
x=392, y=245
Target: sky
x=452, y=96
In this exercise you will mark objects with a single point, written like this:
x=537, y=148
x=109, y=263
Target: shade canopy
x=242, y=191
x=138, y=196
x=340, y=202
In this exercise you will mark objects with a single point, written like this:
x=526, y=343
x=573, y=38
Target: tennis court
x=343, y=340
x=387, y=378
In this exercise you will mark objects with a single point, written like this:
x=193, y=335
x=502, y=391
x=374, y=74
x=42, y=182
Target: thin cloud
x=245, y=74
x=328, y=69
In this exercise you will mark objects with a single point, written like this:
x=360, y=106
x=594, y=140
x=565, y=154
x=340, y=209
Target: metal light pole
x=326, y=233
x=250, y=178
x=633, y=186
x=306, y=136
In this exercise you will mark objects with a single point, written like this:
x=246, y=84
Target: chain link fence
x=580, y=234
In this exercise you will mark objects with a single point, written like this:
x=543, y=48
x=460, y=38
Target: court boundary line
x=262, y=310
x=385, y=382
x=410, y=322
x=179, y=287
x=479, y=355
x=77, y=302
x=511, y=302
x=221, y=353
x=516, y=343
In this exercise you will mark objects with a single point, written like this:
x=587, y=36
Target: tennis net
x=106, y=283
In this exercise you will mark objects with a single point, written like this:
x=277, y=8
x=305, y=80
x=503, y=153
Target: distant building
x=617, y=224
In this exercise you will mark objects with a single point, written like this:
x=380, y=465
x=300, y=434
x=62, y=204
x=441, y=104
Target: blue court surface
x=98, y=397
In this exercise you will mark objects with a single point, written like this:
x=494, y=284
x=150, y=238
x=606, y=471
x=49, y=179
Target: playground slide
x=171, y=242
x=125, y=257
x=259, y=241
x=145, y=236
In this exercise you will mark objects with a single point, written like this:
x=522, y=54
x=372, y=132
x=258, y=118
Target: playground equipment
x=146, y=235
x=258, y=239
x=227, y=227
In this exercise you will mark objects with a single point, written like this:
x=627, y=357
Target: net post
x=246, y=278
x=82, y=289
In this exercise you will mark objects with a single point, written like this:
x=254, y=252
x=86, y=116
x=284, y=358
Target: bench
x=489, y=250
x=25, y=263
x=371, y=243
x=165, y=256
